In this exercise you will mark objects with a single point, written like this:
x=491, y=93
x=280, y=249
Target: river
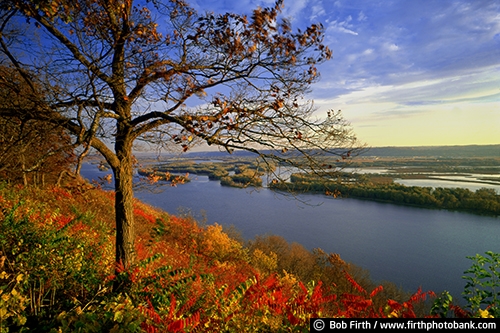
x=409, y=246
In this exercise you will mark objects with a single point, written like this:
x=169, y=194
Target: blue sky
x=404, y=72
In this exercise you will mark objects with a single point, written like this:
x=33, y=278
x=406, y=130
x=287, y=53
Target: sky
x=403, y=72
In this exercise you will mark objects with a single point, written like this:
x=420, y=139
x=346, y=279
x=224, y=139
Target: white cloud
x=392, y=47
x=343, y=27
x=368, y=52
x=362, y=17
x=317, y=11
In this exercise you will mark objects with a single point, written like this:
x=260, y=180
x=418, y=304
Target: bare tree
x=158, y=71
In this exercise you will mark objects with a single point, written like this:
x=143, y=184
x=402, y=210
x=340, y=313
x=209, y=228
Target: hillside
x=436, y=151
x=57, y=273
x=464, y=151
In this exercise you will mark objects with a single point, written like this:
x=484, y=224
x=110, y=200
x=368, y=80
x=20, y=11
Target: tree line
x=483, y=201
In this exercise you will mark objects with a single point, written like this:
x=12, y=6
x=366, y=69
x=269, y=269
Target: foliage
x=481, y=290
x=56, y=259
x=443, y=307
x=31, y=151
x=483, y=285
x=159, y=72
x=57, y=272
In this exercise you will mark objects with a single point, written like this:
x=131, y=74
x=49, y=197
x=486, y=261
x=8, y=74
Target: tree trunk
x=125, y=229
x=23, y=168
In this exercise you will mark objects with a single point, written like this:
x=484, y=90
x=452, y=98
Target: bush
x=483, y=285
x=57, y=273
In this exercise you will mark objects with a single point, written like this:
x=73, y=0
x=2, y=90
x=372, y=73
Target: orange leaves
x=278, y=104
x=335, y=193
x=193, y=278
x=252, y=48
x=154, y=176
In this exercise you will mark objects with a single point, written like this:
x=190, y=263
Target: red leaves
x=60, y=193
x=406, y=309
x=174, y=321
x=376, y=291
x=62, y=221
x=148, y=217
x=354, y=283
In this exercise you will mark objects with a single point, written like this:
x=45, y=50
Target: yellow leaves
x=218, y=244
x=484, y=314
x=13, y=303
x=265, y=263
x=3, y=313
x=393, y=314
x=118, y=317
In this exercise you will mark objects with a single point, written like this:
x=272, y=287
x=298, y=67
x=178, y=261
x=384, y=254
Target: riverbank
x=381, y=187
x=483, y=201
x=407, y=245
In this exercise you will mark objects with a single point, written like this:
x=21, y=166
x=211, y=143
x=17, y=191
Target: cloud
x=294, y=8
x=343, y=26
x=414, y=60
x=362, y=17
x=435, y=37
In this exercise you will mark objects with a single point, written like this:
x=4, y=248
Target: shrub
x=483, y=285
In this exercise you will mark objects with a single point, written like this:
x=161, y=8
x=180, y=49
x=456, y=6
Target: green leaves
x=482, y=289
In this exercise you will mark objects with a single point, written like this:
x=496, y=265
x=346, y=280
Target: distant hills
x=436, y=151
x=468, y=151
x=417, y=151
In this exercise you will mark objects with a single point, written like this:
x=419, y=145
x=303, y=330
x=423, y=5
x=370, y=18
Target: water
x=429, y=182
x=409, y=246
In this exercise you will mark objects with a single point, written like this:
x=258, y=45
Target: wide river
x=409, y=246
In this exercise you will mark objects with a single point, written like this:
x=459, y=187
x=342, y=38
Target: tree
x=158, y=71
x=31, y=151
